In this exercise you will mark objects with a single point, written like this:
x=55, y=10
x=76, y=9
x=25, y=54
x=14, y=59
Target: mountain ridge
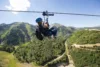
x=16, y=32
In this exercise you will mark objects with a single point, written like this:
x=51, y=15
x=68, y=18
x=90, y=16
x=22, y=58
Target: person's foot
x=53, y=37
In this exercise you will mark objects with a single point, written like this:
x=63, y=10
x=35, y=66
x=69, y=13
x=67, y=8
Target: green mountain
x=16, y=33
x=20, y=32
x=63, y=30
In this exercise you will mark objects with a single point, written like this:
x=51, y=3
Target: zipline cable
x=93, y=15
x=21, y=11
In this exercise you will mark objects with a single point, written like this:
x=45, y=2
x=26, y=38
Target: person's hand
x=46, y=25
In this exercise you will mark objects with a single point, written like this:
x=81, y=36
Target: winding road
x=71, y=62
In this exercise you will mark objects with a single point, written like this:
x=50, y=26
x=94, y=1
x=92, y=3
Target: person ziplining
x=43, y=29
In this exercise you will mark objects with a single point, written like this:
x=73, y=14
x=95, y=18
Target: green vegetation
x=19, y=39
x=16, y=33
x=30, y=29
x=7, y=60
x=85, y=58
x=41, y=52
x=85, y=37
x=7, y=48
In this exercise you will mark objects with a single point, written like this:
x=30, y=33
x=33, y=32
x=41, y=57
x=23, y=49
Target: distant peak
x=57, y=25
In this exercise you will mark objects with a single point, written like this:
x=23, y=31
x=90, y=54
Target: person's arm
x=47, y=22
x=46, y=25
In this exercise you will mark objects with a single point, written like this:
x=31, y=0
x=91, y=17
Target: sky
x=68, y=6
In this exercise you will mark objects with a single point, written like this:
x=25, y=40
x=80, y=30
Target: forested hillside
x=85, y=56
x=63, y=30
x=41, y=52
x=85, y=37
x=16, y=33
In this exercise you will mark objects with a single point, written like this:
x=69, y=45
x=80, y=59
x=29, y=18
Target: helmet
x=39, y=20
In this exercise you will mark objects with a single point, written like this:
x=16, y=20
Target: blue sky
x=70, y=6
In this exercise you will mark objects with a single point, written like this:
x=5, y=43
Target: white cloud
x=18, y=5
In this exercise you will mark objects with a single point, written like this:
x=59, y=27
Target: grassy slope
x=7, y=31
x=8, y=60
x=85, y=37
x=28, y=27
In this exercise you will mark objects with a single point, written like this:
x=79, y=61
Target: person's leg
x=54, y=31
x=38, y=34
